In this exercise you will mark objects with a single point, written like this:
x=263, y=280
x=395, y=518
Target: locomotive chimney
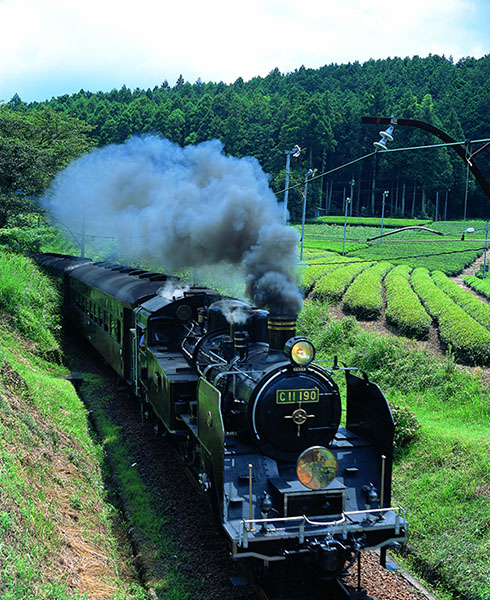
x=281, y=329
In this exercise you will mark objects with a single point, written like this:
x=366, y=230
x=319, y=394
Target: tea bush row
x=328, y=263
x=333, y=285
x=449, y=255
x=364, y=298
x=371, y=221
x=403, y=307
x=481, y=286
x=479, y=310
x=469, y=340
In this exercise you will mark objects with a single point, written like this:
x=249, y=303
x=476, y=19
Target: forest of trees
x=321, y=111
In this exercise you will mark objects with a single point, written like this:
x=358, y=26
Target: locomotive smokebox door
x=211, y=435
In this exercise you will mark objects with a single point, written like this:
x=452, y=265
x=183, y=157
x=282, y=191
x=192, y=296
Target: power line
x=388, y=150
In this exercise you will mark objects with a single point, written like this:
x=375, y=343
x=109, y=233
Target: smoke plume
x=184, y=207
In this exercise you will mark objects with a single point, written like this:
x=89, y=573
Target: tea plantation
x=404, y=278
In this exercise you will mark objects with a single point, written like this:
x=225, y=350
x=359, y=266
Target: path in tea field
x=471, y=270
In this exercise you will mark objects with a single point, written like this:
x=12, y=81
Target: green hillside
x=59, y=537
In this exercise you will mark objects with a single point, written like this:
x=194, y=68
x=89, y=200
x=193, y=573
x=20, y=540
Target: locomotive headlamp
x=300, y=351
x=316, y=467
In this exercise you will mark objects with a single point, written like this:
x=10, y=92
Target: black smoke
x=184, y=207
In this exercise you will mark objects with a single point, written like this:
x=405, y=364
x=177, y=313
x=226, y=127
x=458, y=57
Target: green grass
x=447, y=255
x=415, y=248
x=372, y=221
x=148, y=522
x=53, y=505
x=30, y=300
x=445, y=480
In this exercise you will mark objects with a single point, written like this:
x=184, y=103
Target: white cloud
x=105, y=43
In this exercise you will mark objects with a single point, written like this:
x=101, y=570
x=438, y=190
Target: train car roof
x=61, y=263
x=133, y=287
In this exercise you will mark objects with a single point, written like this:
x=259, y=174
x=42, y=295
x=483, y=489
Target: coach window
x=106, y=321
x=118, y=331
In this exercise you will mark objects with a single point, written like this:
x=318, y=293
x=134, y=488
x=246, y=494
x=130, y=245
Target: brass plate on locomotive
x=296, y=396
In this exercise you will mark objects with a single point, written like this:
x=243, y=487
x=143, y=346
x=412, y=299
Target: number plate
x=295, y=396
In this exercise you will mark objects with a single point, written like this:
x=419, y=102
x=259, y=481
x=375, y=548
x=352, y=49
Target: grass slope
x=58, y=538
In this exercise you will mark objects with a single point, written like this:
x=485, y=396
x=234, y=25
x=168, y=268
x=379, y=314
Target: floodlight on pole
x=295, y=151
x=386, y=136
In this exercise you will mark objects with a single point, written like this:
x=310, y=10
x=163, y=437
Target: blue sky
x=52, y=47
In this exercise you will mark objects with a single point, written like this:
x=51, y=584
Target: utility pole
x=296, y=151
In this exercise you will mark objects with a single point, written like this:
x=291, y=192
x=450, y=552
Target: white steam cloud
x=185, y=207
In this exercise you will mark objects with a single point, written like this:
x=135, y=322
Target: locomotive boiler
x=295, y=475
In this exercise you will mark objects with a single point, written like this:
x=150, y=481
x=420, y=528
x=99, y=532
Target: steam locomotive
x=252, y=413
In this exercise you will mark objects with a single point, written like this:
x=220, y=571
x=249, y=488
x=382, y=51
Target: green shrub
x=480, y=286
x=479, y=310
x=333, y=285
x=469, y=340
x=364, y=298
x=22, y=241
x=406, y=425
x=403, y=307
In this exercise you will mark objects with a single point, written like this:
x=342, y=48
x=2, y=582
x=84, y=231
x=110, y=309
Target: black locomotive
x=251, y=412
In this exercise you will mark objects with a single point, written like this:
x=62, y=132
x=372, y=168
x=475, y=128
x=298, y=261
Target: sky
x=53, y=47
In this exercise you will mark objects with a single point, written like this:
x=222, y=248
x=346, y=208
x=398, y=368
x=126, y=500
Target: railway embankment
x=60, y=538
